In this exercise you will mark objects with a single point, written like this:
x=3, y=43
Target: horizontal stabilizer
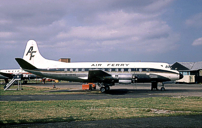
x=24, y=64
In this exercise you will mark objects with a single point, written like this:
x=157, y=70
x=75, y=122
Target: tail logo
x=31, y=52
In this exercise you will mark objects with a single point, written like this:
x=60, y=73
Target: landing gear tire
x=102, y=89
x=107, y=88
x=163, y=89
x=90, y=88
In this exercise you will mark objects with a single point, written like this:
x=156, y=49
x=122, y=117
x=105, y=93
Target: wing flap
x=97, y=75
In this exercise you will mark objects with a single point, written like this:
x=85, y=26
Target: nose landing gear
x=163, y=87
x=154, y=85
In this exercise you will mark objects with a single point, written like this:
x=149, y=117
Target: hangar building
x=191, y=70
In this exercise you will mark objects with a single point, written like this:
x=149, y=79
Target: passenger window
x=122, y=70
x=148, y=70
x=140, y=70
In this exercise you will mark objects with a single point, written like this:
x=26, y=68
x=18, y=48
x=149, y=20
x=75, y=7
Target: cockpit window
x=168, y=66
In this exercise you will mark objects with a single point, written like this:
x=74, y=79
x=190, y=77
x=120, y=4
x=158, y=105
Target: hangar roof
x=188, y=65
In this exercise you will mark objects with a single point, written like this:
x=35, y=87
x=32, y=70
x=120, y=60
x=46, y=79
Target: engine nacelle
x=125, y=82
x=25, y=75
x=125, y=77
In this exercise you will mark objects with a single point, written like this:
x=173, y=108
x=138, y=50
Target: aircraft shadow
x=132, y=91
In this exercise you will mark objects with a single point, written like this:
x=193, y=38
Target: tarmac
x=119, y=91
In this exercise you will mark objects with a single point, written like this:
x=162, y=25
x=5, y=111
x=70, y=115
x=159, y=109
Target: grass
x=12, y=112
x=82, y=110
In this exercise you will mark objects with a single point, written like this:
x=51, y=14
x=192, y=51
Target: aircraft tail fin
x=33, y=57
x=32, y=54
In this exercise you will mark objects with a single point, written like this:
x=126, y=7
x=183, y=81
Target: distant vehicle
x=106, y=74
x=88, y=86
x=187, y=79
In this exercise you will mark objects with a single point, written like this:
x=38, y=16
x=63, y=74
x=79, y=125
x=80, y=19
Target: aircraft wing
x=7, y=75
x=3, y=77
x=98, y=75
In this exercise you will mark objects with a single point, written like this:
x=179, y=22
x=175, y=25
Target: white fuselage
x=102, y=72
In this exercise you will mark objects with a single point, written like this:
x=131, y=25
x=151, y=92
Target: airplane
x=10, y=73
x=105, y=74
x=4, y=77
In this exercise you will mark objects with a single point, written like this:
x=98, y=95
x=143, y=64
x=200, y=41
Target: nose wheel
x=154, y=85
x=163, y=89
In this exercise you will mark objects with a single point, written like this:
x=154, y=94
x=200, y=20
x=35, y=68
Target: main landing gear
x=154, y=86
x=104, y=87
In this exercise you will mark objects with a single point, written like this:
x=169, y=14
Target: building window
x=200, y=72
x=186, y=73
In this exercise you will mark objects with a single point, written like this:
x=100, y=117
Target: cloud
x=197, y=42
x=93, y=26
x=5, y=34
x=128, y=31
x=157, y=5
x=195, y=20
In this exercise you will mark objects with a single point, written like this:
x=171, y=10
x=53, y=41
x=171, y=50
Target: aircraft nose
x=181, y=76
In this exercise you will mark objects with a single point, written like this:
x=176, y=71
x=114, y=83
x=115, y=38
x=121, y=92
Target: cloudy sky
x=102, y=30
